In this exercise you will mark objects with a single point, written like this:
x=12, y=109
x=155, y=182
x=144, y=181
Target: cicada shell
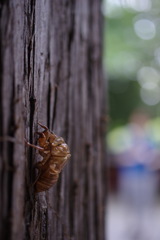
x=55, y=153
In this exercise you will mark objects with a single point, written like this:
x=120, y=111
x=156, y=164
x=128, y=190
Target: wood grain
x=51, y=72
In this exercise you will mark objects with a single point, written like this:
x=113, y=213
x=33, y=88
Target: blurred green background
x=132, y=57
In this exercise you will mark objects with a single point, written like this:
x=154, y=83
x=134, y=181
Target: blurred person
x=137, y=177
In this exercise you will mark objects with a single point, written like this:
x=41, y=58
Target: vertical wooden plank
x=51, y=73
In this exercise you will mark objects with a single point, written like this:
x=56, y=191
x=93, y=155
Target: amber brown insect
x=55, y=153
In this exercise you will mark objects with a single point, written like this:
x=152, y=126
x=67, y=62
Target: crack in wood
x=48, y=104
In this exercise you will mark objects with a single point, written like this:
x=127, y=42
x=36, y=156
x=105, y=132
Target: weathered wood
x=50, y=60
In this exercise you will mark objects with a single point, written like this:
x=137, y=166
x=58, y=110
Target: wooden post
x=51, y=72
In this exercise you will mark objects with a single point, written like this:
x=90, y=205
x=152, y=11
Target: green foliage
x=125, y=53
x=120, y=109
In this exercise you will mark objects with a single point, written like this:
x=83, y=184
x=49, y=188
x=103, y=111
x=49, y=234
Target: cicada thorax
x=60, y=154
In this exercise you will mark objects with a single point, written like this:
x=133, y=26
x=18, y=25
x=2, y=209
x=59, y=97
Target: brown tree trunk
x=50, y=72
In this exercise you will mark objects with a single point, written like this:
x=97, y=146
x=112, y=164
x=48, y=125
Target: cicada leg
x=40, y=164
x=34, y=146
x=41, y=134
x=46, y=128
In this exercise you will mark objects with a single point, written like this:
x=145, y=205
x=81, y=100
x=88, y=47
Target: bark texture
x=50, y=72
